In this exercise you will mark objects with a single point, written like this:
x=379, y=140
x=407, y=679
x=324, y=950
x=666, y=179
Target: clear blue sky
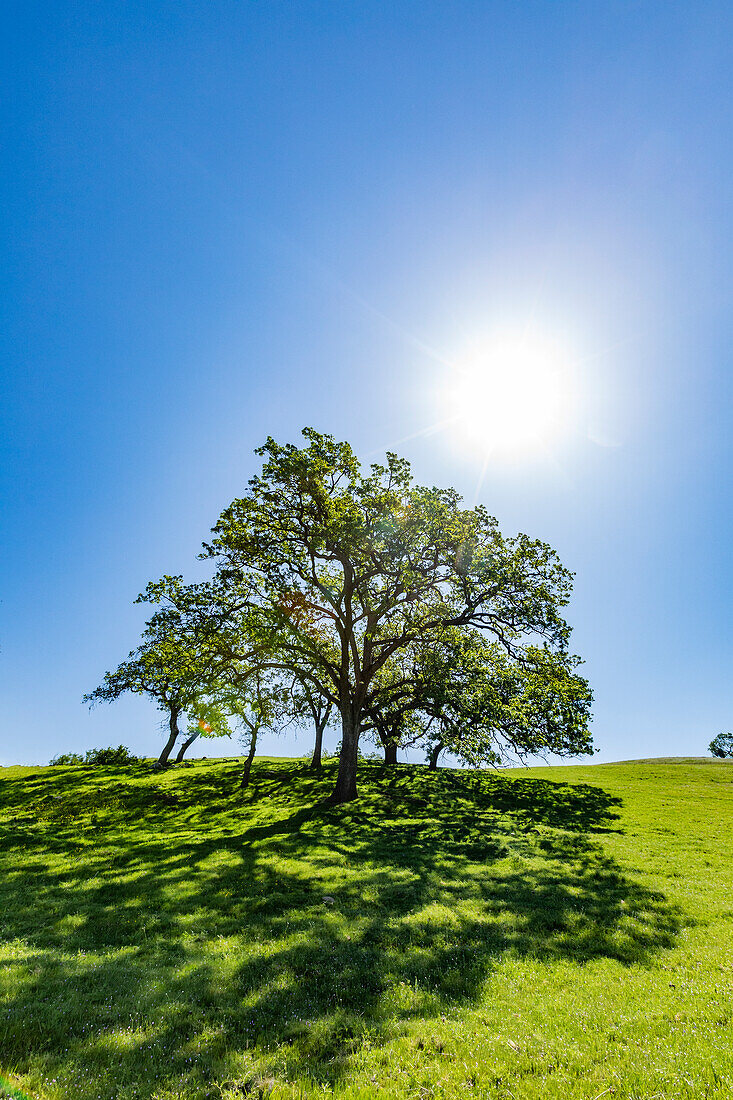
x=228, y=220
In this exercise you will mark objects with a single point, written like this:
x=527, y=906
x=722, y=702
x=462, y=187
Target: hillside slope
x=554, y=933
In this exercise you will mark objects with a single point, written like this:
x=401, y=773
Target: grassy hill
x=556, y=933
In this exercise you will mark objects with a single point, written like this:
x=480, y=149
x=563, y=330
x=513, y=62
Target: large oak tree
x=335, y=570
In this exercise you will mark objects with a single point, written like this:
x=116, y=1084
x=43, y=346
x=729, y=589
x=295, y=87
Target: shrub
x=67, y=758
x=120, y=755
x=722, y=745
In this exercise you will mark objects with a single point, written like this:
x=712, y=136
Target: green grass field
x=555, y=933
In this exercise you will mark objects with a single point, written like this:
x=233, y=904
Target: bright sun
x=513, y=394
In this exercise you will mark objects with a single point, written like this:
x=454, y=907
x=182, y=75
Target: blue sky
x=228, y=220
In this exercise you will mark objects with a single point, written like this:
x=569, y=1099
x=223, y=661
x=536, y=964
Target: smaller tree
x=206, y=719
x=175, y=664
x=308, y=705
x=393, y=723
x=486, y=706
x=722, y=745
x=504, y=711
x=256, y=704
x=147, y=672
x=393, y=715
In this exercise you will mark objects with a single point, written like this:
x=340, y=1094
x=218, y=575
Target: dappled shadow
x=193, y=917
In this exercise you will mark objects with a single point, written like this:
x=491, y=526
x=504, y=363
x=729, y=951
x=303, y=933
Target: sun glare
x=512, y=395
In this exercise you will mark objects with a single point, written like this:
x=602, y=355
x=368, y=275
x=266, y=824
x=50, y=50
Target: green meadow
x=552, y=933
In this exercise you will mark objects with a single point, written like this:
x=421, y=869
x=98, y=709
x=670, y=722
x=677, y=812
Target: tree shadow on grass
x=179, y=929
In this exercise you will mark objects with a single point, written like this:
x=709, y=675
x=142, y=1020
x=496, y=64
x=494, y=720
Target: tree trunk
x=390, y=752
x=345, y=789
x=189, y=741
x=317, y=748
x=168, y=747
x=248, y=762
x=434, y=754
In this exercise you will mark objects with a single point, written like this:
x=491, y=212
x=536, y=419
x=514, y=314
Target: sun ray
x=421, y=433
x=481, y=479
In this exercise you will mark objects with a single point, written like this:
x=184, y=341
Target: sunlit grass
x=551, y=934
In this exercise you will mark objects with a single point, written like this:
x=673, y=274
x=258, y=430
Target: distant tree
x=722, y=745
x=344, y=569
